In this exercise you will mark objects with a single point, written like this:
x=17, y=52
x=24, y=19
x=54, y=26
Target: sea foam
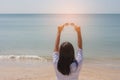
x=23, y=57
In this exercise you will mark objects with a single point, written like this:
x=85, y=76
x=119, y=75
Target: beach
x=34, y=31
x=37, y=70
x=27, y=42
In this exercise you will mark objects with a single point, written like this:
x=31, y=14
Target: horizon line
x=61, y=13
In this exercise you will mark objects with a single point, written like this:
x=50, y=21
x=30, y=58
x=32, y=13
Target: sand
x=17, y=70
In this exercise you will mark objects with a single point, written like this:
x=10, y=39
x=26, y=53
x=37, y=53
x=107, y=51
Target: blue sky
x=60, y=6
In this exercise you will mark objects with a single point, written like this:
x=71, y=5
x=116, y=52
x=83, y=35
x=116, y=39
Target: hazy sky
x=60, y=6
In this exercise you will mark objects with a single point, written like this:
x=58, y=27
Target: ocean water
x=34, y=34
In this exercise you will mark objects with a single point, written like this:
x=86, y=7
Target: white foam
x=22, y=57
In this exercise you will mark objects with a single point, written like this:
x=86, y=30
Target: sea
x=33, y=36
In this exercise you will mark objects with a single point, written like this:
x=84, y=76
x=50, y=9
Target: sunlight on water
x=34, y=34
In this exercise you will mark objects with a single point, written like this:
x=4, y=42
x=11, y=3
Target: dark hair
x=66, y=57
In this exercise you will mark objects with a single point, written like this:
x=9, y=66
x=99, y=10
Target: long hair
x=66, y=57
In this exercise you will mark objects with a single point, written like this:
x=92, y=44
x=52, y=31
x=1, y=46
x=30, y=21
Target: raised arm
x=57, y=42
x=78, y=30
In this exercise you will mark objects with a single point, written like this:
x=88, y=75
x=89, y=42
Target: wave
x=24, y=57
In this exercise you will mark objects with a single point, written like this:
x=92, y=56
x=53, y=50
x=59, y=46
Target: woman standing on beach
x=67, y=67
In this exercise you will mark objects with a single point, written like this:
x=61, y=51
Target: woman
x=67, y=67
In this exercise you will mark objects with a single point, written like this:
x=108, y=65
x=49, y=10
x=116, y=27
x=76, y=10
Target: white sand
x=45, y=71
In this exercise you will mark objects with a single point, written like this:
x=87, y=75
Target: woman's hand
x=60, y=28
x=72, y=24
x=77, y=28
x=66, y=24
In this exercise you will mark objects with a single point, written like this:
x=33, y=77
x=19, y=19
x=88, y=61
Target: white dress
x=74, y=75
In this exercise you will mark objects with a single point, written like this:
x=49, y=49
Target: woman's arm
x=56, y=48
x=78, y=30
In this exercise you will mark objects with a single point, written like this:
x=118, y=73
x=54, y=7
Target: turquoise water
x=34, y=34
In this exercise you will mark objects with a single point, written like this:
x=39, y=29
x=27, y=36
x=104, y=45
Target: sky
x=60, y=6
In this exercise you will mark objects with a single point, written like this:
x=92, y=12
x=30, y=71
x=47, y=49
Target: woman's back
x=75, y=68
